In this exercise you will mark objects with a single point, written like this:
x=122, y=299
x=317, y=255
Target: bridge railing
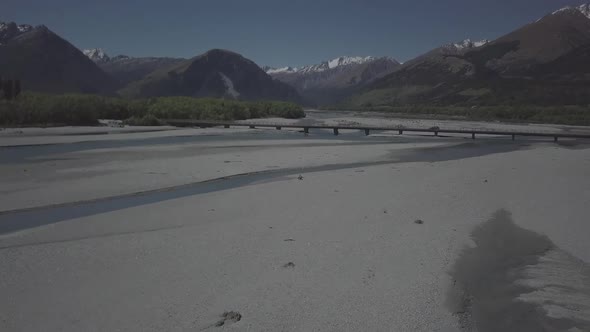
x=367, y=129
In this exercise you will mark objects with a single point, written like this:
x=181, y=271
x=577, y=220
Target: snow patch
x=229, y=85
x=348, y=60
x=24, y=28
x=96, y=55
x=337, y=62
x=468, y=43
x=326, y=65
x=584, y=9
x=11, y=30
x=281, y=70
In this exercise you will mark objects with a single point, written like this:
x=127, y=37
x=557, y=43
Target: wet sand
x=296, y=234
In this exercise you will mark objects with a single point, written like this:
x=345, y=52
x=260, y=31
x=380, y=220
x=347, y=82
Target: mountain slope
x=11, y=30
x=45, y=62
x=334, y=80
x=127, y=69
x=544, y=62
x=216, y=73
x=97, y=55
x=542, y=41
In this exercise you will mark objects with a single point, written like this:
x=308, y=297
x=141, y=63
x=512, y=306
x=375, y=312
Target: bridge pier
x=401, y=132
x=436, y=133
x=279, y=128
x=472, y=135
x=367, y=132
x=336, y=131
x=306, y=130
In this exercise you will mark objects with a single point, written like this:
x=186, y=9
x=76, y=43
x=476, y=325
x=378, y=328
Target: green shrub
x=146, y=120
x=567, y=114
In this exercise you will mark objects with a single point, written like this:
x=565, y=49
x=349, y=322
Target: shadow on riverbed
x=509, y=282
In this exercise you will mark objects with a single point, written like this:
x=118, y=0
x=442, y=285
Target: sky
x=276, y=32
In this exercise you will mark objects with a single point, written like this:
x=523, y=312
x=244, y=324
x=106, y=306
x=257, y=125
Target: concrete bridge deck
x=367, y=129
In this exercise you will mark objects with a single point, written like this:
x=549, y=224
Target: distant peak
x=18, y=27
x=468, y=44
x=336, y=62
x=584, y=9
x=220, y=51
x=348, y=60
x=327, y=65
x=96, y=55
x=121, y=57
x=9, y=30
x=271, y=70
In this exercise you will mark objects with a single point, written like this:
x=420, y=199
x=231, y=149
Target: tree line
x=9, y=89
x=79, y=109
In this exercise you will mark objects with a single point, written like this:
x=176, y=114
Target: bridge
x=367, y=129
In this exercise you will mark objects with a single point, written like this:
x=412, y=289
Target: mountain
x=542, y=41
x=45, y=62
x=126, y=69
x=11, y=30
x=97, y=55
x=544, y=62
x=271, y=70
x=440, y=54
x=331, y=81
x=216, y=73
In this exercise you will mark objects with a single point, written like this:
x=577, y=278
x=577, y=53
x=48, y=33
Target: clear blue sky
x=276, y=32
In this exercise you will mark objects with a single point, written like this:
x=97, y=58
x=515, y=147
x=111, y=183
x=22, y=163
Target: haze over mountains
x=544, y=62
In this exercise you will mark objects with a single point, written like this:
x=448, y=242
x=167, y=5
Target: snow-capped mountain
x=323, y=66
x=337, y=62
x=331, y=81
x=48, y=63
x=97, y=55
x=468, y=44
x=126, y=69
x=584, y=9
x=270, y=70
x=346, y=60
x=9, y=30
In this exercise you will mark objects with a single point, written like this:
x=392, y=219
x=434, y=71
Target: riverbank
x=330, y=233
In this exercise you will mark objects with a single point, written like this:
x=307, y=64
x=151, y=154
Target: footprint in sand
x=227, y=318
x=369, y=276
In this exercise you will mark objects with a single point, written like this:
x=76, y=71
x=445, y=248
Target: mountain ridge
x=332, y=80
x=215, y=73
x=542, y=63
x=126, y=69
x=45, y=62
